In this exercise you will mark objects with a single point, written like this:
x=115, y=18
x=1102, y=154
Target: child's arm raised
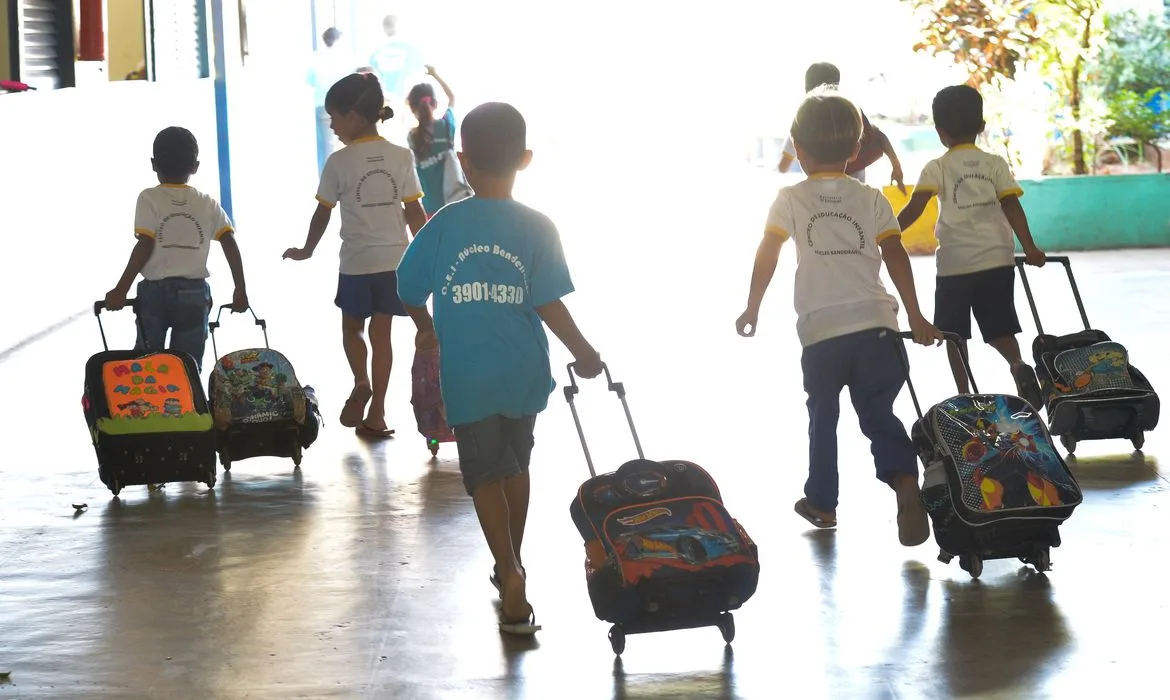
x=116, y=297
x=443, y=84
x=317, y=226
x=898, y=264
x=558, y=319
x=767, y=256
x=231, y=251
x=1014, y=211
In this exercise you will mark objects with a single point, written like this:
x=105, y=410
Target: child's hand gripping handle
x=616, y=387
x=216, y=324
x=100, y=305
x=957, y=341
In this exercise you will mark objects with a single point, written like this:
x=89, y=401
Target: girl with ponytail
x=377, y=187
x=433, y=143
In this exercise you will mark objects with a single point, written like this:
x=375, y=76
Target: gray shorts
x=494, y=449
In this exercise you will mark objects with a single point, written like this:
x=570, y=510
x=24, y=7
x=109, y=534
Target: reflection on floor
x=363, y=575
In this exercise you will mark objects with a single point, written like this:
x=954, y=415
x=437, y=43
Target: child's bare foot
x=913, y=526
x=818, y=518
x=355, y=405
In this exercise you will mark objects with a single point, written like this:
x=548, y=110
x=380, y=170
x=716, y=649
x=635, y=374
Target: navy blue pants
x=868, y=363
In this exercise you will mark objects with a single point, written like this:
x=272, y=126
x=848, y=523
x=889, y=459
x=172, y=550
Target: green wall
x=1087, y=213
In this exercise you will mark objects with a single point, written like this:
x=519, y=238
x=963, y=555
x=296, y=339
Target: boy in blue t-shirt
x=497, y=271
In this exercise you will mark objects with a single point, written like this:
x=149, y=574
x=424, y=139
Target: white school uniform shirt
x=973, y=233
x=183, y=222
x=371, y=178
x=836, y=224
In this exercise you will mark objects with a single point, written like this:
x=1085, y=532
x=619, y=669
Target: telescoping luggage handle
x=616, y=387
x=215, y=324
x=1063, y=260
x=97, y=311
x=950, y=338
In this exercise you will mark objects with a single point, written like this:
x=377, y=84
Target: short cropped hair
x=958, y=110
x=494, y=138
x=827, y=126
x=175, y=153
x=819, y=74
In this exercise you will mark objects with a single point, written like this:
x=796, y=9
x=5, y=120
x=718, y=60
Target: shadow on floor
x=1001, y=636
x=1114, y=472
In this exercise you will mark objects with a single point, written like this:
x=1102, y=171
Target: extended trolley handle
x=1063, y=260
x=616, y=387
x=216, y=324
x=950, y=338
x=99, y=305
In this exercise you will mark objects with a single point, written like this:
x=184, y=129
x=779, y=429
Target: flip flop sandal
x=525, y=628
x=494, y=579
x=804, y=510
x=355, y=407
x=365, y=431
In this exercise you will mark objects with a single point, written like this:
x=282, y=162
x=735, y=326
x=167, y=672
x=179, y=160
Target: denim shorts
x=179, y=305
x=362, y=296
x=494, y=449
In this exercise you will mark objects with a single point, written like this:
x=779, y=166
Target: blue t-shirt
x=430, y=165
x=488, y=263
x=395, y=63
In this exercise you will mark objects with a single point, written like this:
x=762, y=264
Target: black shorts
x=989, y=294
x=494, y=449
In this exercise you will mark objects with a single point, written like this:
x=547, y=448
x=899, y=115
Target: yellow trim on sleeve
x=412, y=198
x=892, y=233
x=323, y=202
x=226, y=229
x=924, y=189
x=776, y=230
x=1011, y=192
x=145, y=232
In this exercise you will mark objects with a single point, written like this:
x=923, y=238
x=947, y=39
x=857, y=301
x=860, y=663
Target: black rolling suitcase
x=259, y=407
x=1091, y=391
x=994, y=485
x=147, y=416
x=661, y=551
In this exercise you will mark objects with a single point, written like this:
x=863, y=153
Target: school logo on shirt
x=377, y=188
x=464, y=292
x=976, y=191
x=180, y=230
x=825, y=220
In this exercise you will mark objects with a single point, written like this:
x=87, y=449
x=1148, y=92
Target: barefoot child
x=847, y=323
x=376, y=185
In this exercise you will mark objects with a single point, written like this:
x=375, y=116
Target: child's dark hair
x=175, y=153
x=819, y=74
x=827, y=126
x=494, y=138
x=958, y=110
x=421, y=100
x=361, y=93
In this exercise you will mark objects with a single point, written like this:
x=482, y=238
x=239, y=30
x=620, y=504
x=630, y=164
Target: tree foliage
x=1133, y=115
x=990, y=38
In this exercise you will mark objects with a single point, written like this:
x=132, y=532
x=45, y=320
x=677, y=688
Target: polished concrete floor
x=362, y=575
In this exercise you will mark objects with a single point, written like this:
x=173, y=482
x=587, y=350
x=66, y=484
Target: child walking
x=846, y=321
x=171, y=222
x=433, y=142
x=497, y=273
x=979, y=208
x=376, y=185
x=874, y=142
